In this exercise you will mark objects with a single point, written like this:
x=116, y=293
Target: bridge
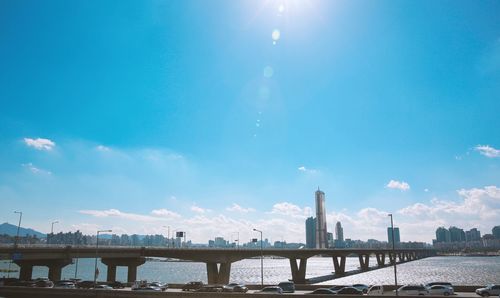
x=218, y=261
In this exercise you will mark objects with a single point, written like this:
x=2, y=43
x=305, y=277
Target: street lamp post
x=96, y=249
x=17, y=238
x=168, y=235
x=394, y=255
x=52, y=230
x=261, y=259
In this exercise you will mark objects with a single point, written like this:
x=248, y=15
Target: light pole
x=261, y=259
x=17, y=238
x=52, y=229
x=168, y=235
x=394, y=255
x=96, y=249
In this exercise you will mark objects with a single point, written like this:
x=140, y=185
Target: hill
x=11, y=230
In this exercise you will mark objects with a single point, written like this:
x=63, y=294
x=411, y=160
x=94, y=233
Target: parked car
x=65, y=284
x=147, y=288
x=43, y=283
x=361, y=287
x=210, y=289
x=192, y=286
x=435, y=283
x=413, y=290
x=85, y=284
x=235, y=287
x=103, y=287
x=437, y=290
x=349, y=291
x=489, y=290
x=287, y=286
x=116, y=285
x=376, y=290
x=163, y=286
x=323, y=291
x=270, y=290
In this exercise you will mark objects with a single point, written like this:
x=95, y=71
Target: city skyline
x=227, y=116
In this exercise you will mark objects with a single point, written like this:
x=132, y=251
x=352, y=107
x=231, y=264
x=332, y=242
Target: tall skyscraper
x=339, y=232
x=396, y=235
x=311, y=232
x=496, y=232
x=457, y=234
x=321, y=233
x=443, y=235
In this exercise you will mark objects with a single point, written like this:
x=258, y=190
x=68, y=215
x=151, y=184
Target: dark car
x=65, y=284
x=438, y=283
x=287, y=286
x=323, y=291
x=85, y=284
x=192, y=286
x=235, y=287
x=210, y=288
x=116, y=285
x=42, y=283
x=349, y=291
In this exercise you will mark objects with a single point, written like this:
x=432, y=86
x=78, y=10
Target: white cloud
x=401, y=185
x=306, y=170
x=115, y=213
x=102, y=148
x=40, y=144
x=289, y=209
x=165, y=213
x=237, y=208
x=35, y=170
x=487, y=151
x=200, y=210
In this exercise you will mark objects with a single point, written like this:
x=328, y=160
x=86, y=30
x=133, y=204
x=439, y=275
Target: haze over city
x=229, y=116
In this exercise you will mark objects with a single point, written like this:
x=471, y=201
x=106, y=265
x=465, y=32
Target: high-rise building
x=456, y=234
x=321, y=236
x=311, y=232
x=329, y=237
x=472, y=235
x=396, y=235
x=443, y=235
x=339, y=232
x=496, y=232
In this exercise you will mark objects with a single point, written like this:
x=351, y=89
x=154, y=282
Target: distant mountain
x=7, y=228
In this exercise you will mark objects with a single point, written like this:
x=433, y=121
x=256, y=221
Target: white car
x=413, y=290
x=376, y=290
x=437, y=290
x=489, y=290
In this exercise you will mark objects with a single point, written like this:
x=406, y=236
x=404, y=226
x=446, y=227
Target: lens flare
x=276, y=35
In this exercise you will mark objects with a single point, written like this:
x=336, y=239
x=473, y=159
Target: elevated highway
x=218, y=261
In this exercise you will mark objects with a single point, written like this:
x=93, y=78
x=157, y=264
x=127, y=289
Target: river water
x=457, y=270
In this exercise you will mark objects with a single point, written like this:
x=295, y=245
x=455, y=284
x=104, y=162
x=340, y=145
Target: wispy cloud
x=237, y=208
x=102, y=148
x=165, y=213
x=487, y=151
x=199, y=210
x=307, y=170
x=401, y=185
x=115, y=213
x=40, y=144
x=35, y=170
x=289, y=209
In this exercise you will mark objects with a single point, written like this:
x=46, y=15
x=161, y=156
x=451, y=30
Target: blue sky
x=215, y=117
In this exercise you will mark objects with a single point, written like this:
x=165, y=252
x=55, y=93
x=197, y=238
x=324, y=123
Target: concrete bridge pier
x=339, y=266
x=130, y=263
x=401, y=257
x=392, y=258
x=380, y=259
x=298, y=271
x=364, y=262
x=218, y=273
x=55, y=267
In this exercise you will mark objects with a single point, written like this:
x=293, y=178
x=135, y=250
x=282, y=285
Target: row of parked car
x=67, y=284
